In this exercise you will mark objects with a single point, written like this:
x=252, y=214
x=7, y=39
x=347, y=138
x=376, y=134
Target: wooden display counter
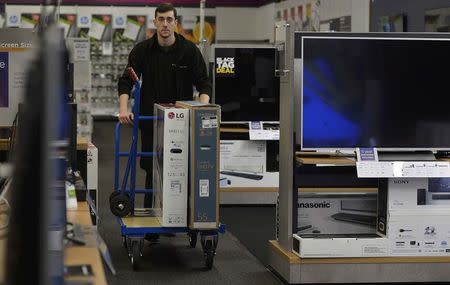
x=73, y=255
x=76, y=255
x=294, y=259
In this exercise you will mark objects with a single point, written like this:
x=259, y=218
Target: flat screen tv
x=369, y=91
x=245, y=84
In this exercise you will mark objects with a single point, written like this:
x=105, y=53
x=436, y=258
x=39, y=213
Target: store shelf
x=338, y=161
x=248, y=196
x=338, y=190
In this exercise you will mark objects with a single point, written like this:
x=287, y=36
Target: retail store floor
x=241, y=254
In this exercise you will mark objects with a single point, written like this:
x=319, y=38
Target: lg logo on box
x=172, y=115
x=2, y=65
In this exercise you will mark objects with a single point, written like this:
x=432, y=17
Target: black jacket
x=167, y=76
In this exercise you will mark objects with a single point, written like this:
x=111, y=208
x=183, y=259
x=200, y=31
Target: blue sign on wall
x=4, y=98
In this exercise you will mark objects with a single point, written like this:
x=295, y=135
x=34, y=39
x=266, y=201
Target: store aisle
x=170, y=261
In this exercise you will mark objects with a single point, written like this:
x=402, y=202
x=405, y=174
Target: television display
x=245, y=85
x=390, y=93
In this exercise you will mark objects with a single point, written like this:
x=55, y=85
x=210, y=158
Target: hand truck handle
x=132, y=74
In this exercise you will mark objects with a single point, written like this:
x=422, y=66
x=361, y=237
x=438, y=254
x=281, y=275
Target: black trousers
x=146, y=163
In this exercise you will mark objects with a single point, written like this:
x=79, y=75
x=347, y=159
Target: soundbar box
x=336, y=247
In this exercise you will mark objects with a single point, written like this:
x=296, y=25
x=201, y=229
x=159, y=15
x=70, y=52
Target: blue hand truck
x=136, y=223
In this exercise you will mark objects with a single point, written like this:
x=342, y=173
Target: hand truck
x=136, y=223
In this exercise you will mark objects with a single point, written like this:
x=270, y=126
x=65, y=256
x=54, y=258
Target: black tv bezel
x=298, y=40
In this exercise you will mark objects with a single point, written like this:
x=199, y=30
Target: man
x=170, y=66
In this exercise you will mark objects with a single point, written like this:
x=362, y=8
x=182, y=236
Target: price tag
x=258, y=132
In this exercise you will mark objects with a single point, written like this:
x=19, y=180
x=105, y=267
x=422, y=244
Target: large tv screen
x=245, y=85
x=389, y=93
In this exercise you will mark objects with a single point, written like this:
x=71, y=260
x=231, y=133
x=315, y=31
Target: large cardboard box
x=311, y=247
x=170, y=166
x=336, y=213
x=204, y=164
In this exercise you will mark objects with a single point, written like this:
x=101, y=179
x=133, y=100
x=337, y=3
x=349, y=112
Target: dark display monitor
x=245, y=85
x=389, y=93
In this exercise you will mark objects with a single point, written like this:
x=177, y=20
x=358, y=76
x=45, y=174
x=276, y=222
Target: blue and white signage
x=13, y=20
x=84, y=20
x=119, y=21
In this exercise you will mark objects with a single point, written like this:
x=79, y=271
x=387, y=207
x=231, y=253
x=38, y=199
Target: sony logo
x=315, y=205
x=401, y=181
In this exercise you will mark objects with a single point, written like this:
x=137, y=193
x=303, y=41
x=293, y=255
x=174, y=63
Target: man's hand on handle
x=125, y=117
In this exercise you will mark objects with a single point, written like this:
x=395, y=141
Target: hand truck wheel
x=120, y=205
x=192, y=239
x=113, y=194
x=209, y=254
x=135, y=254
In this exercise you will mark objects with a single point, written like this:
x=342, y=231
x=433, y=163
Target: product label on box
x=209, y=122
x=419, y=235
x=175, y=187
x=204, y=188
x=375, y=250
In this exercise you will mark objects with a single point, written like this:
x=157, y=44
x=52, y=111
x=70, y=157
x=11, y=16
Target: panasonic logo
x=401, y=181
x=315, y=205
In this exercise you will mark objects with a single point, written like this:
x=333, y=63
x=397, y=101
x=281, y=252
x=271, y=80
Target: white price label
x=204, y=188
x=209, y=122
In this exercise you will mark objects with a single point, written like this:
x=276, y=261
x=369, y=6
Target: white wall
x=245, y=24
x=237, y=23
x=360, y=16
x=266, y=21
x=330, y=9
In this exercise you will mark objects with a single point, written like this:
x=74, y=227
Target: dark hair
x=166, y=7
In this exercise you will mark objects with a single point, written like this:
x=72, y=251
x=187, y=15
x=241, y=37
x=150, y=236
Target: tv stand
x=406, y=156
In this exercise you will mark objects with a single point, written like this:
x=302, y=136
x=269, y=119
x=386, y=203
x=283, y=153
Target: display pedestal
x=296, y=270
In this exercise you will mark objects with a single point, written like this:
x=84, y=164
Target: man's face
x=165, y=24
